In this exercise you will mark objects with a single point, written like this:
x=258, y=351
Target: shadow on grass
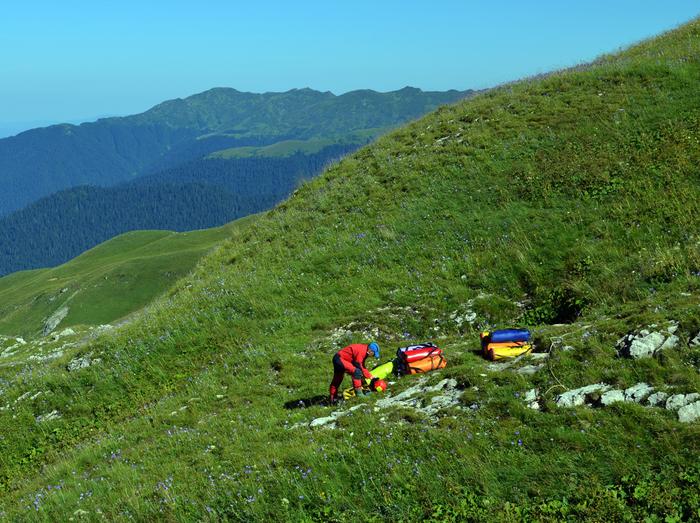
x=303, y=403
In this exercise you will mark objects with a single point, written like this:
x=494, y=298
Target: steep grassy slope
x=105, y=283
x=570, y=204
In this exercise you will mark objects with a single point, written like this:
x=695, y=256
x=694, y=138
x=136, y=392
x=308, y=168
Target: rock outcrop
x=582, y=395
x=689, y=413
x=53, y=321
x=646, y=343
x=601, y=394
x=448, y=395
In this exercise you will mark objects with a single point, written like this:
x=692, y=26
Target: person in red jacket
x=351, y=360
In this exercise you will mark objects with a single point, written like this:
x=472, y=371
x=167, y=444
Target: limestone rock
x=82, y=362
x=657, y=399
x=576, y=397
x=645, y=343
x=670, y=343
x=638, y=392
x=695, y=342
x=689, y=413
x=53, y=320
x=530, y=395
x=677, y=401
x=320, y=422
x=528, y=370
x=54, y=414
x=413, y=397
x=612, y=396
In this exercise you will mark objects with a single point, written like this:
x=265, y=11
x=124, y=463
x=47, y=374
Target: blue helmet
x=374, y=348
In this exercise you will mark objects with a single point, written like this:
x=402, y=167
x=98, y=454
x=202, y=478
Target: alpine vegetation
x=568, y=204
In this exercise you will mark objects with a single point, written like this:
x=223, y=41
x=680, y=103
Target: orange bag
x=432, y=362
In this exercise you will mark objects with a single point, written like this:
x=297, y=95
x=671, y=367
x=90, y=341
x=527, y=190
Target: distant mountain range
x=39, y=162
x=184, y=164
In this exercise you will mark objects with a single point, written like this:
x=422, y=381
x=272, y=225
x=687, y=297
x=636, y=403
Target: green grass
x=289, y=147
x=276, y=150
x=569, y=204
x=106, y=283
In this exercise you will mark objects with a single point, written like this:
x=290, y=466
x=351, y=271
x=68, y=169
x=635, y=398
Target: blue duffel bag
x=506, y=335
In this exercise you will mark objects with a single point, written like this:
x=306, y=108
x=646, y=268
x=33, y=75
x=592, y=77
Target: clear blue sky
x=69, y=60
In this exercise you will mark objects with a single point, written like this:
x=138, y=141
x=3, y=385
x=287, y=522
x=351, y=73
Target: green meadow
x=568, y=204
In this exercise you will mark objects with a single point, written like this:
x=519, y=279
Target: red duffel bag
x=414, y=353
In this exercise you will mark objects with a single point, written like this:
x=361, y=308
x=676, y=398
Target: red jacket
x=356, y=354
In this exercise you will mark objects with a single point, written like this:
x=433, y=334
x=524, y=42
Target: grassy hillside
x=106, y=283
x=568, y=204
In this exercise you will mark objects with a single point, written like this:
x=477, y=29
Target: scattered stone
x=53, y=415
x=66, y=332
x=329, y=421
x=531, y=398
x=646, y=343
x=689, y=413
x=82, y=362
x=637, y=393
x=695, y=342
x=657, y=399
x=56, y=353
x=23, y=396
x=576, y=397
x=670, y=343
x=677, y=401
x=21, y=341
x=413, y=397
x=319, y=422
x=612, y=396
x=530, y=395
x=53, y=321
x=465, y=316
x=538, y=356
x=529, y=370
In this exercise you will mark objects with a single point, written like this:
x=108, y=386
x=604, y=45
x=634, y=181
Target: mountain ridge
x=38, y=162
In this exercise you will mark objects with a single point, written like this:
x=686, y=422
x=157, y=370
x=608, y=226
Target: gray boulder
x=677, y=401
x=576, y=397
x=53, y=320
x=638, y=392
x=531, y=399
x=657, y=399
x=612, y=396
x=529, y=370
x=645, y=344
x=689, y=413
x=50, y=416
